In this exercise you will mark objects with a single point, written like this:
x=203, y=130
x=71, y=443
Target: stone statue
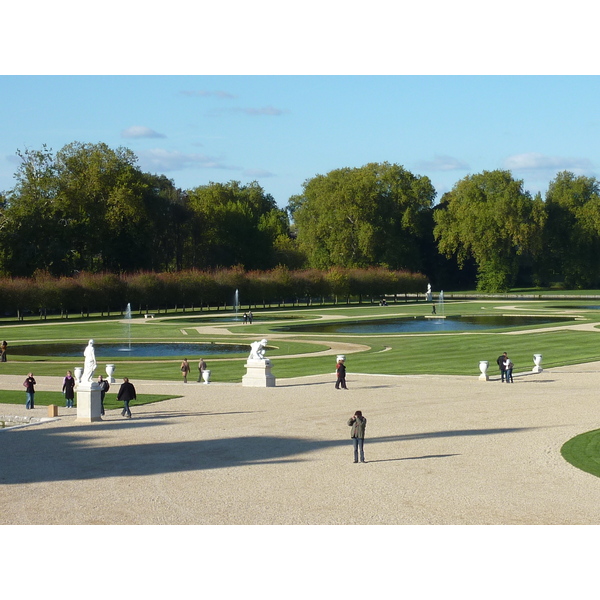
x=89, y=365
x=428, y=294
x=257, y=350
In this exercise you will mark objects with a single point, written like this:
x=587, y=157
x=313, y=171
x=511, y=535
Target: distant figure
x=340, y=370
x=89, y=365
x=508, y=369
x=68, y=388
x=201, y=369
x=500, y=360
x=250, y=317
x=245, y=318
x=104, y=387
x=357, y=433
x=126, y=395
x=3, y=348
x=185, y=369
x=29, y=391
x=433, y=309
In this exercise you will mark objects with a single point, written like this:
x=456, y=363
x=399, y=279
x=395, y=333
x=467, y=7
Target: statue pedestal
x=88, y=402
x=258, y=373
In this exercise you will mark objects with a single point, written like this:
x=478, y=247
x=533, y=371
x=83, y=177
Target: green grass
x=583, y=452
x=435, y=353
x=57, y=398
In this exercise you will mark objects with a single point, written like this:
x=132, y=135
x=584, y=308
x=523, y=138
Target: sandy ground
x=439, y=450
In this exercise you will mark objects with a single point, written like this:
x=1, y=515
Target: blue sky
x=282, y=130
x=280, y=93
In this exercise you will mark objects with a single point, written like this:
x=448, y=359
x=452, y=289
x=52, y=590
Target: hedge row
x=198, y=290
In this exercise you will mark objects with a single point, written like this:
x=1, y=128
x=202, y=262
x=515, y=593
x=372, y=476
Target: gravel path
x=439, y=450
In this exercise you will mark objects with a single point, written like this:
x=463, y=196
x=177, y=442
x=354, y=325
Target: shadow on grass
x=35, y=454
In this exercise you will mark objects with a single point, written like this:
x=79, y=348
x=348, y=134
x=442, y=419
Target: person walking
x=201, y=369
x=3, y=348
x=245, y=318
x=357, y=433
x=250, y=317
x=185, y=369
x=508, y=368
x=126, y=394
x=340, y=370
x=104, y=387
x=500, y=360
x=68, y=389
x=29, y=384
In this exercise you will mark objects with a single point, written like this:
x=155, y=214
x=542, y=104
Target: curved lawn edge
x=583, y=452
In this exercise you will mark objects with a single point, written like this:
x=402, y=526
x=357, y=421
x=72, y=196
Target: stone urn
x=341, y=357
x=110, y=369
x=78, y=372
x=483, y=367
x=537, y=359
x=206, y=375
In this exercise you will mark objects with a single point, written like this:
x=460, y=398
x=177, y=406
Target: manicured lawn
x=454, y=353
x=583, y=452
x=57, y=398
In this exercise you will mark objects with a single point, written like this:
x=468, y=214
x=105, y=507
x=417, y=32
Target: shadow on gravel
x=68, y=453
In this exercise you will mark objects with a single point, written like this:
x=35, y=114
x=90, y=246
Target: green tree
x=235, y=225
x=572, y=235
x=489, y=217
x=372, y=215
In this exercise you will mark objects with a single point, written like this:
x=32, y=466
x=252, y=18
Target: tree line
x=90, y=209
x=108, y=293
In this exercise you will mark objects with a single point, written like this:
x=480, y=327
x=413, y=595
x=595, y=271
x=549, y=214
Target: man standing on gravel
x=357, y=433
x=500, y=360
x=126, y=395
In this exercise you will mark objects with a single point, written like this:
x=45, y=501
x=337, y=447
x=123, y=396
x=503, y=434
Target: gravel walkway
x=439, y=450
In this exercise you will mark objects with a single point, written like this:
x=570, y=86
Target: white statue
x=428, y=294
x=257, y=350
x=89, y=365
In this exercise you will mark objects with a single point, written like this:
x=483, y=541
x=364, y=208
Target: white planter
x=78, y=372
x=341, y=357
x=110, y=369
x=537, y=359
x=483, y=367
x=206, y=375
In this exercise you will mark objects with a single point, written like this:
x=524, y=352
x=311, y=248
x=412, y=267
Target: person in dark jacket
x=104, y=387
x=340, y=370
x=68, y=389
x=126, y=395
x=30, y=391
x=500, y=360
x=357, y=433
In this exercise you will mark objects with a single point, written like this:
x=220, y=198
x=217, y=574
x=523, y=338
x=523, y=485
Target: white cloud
x=442, y=162
x=257, y=173
x=269, y=111
x=534, y=161
x=161, y=160
x=138, y=131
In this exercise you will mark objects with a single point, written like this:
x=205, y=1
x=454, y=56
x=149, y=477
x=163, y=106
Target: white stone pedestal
x=258, y=373
x=88, y=402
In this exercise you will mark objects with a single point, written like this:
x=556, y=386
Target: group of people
x=248, y=317
x=185, y=369
x=125, y=394
x=506, y=368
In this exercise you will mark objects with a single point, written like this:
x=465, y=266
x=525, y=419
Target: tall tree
x=237, y=225
x=372, y=215
x=490, y=218
x=572, y=237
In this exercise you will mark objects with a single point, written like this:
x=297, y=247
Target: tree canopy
x=372, y=215
x=490, y=218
